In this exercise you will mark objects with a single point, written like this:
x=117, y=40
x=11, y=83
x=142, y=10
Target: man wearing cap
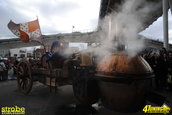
x=56, y=55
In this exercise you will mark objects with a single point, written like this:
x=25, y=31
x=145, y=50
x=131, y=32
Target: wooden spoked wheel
x=24, y=78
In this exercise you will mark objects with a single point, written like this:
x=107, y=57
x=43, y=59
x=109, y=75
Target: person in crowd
x=155, y=67
x=3, y=70
x=169, y=80
x=15, y=65
x=163, y=67
x=170, y=62
x=159, y=62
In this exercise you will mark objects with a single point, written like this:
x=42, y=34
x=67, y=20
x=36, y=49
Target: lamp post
x=73, y=28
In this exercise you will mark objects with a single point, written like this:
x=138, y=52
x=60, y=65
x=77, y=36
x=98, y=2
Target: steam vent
x=123, y=81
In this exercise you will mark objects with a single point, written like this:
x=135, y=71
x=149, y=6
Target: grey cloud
x=61, y=9
x=93, y=22
x=10, y=11
x=155, y=31
x=6, y=14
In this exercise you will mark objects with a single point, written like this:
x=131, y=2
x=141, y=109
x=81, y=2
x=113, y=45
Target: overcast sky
x=155, y=31
x=54, y=15
x=58, y=16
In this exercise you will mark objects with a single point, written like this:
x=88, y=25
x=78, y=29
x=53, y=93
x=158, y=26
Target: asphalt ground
x=41, y=101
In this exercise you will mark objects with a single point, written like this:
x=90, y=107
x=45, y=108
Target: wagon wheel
x=85, y=90
x=24, y=79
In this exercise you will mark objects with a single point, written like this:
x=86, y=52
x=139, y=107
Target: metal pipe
x=108, y=6
x=110, y=27
x=165, y=23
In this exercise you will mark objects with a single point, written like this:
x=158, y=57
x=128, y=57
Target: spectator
x=159, y=61
x=3, y=70
x=170, y=62
x=169, y=82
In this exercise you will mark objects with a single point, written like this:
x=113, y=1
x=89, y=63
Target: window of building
x=22, y=55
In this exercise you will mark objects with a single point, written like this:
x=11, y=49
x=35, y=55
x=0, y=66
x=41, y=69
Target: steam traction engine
x=119, y=81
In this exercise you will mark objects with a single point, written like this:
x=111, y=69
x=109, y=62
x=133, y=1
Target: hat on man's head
x=54, y=45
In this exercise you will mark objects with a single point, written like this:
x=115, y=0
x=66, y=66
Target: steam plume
x=122, y=27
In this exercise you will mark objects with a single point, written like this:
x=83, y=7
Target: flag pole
x=42, y=43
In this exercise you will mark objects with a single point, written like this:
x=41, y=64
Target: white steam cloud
x=121, y=28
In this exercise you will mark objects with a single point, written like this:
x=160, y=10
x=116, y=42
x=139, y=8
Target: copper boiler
x=123, y=81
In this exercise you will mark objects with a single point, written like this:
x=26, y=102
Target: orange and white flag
x=26, y=31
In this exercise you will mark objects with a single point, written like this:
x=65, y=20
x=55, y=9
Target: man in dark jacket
x=162, y=68
x=56, y=55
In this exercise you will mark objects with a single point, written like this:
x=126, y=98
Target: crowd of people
x=7, y=68
x=161, y=63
